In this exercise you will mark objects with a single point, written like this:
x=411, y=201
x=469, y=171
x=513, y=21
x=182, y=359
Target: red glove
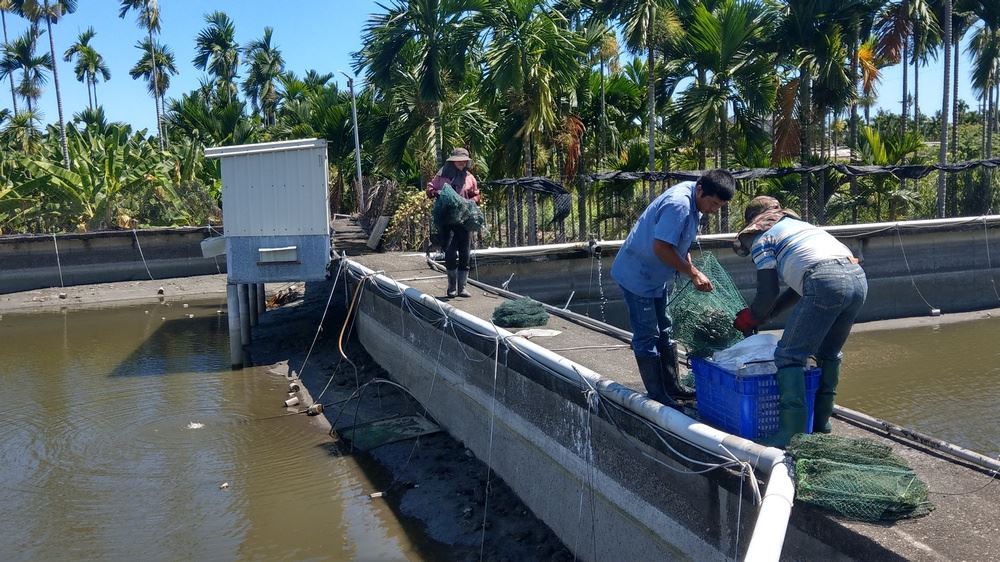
x=745, y=322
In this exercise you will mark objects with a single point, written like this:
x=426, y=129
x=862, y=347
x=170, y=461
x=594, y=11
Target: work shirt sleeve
x=763, y=252
x=671, y=221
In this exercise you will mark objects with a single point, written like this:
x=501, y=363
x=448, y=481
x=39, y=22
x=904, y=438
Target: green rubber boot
x=792, y=415
x=825, y=395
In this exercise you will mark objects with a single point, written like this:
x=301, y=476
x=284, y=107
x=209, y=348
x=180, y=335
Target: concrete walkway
x=964, y=525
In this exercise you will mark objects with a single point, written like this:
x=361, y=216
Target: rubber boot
x=463, y=278
x=671, y=372
x=792, y=415
x=452, y=283
x=825, y=395
x=652, y=379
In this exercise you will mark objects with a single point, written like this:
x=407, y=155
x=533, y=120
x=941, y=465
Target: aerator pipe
x=772, y=522
x=920, y=438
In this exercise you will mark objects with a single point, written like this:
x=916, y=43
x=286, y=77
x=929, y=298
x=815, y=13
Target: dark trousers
x=456, y=251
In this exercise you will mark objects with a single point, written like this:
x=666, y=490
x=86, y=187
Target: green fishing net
x=520, y=313
x=856, y=478
x=703, y=322
x=451, y=209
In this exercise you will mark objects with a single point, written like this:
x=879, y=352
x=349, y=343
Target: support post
x=233, y=315
x=244, y=314
x=252, y=303
x=261, y=299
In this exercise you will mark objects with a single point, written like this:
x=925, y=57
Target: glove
x=745, y=322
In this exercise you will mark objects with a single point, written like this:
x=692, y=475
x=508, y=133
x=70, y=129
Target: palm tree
x=639, y=19
x=728, y=43
x=265, y=66
x=6, y=6
x=20, y=55
x=437, y=34
x=89, y=63
x=156, y=66
x=148, y=16
x=51, y=11
x=532, y=60
x=943, y=153
x=984, y=47
x=218, y=53
x=893, y=30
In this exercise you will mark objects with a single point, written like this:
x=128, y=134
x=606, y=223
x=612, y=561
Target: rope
x=58, y=263
x=913, y=281
x=489, y=455
x=989, y=261
x=137, y=245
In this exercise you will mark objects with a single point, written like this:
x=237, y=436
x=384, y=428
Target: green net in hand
x=451, y=209
x=520, y=313
x=703, y=322
x=856, y=478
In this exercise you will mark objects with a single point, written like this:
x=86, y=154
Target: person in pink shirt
x=456, y=239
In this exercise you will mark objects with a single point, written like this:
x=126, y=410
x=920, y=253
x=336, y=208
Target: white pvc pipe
x=772, y=520
x=842, y=230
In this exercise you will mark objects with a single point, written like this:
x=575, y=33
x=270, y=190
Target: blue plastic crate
x=744, y=405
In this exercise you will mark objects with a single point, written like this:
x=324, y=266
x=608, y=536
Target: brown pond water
x=120, y=425
x=941, y=380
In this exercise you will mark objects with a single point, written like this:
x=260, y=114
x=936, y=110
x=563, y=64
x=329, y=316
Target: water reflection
x=121, y=424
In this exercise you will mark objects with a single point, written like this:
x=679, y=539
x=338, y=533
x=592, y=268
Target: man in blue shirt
x=656, y=250
x=827, y=287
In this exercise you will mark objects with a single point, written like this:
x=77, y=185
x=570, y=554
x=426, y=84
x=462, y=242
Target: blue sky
x=311, y=35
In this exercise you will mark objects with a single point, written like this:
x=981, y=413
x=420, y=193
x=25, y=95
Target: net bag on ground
x=856, y=478
x=703, y=322
x=520, y=313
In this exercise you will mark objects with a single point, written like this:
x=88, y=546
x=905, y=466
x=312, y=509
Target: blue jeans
x=833, y=292
x=649, y=321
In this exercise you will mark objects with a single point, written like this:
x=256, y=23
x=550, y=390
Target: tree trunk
x=943, y=151
x=954, y=102
x=90, y=99
x=438, y=134
x=13, y=96
x=603, y=122
x=95, y=94
x=906, y=91
x=651, y=89
x=532, y=208
x=724, y=162
x=805, y=148
x=916, y=87
x=702, y=141
x=852, y=132
x=55, y=81
x=156, y=88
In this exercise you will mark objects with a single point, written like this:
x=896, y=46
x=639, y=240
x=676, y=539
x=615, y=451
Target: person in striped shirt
x=826, y=287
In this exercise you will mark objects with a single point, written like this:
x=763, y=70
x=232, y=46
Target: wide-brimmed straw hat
x=459, y=155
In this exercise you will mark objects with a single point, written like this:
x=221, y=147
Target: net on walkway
x=703, y=322
x=520, y=313
x=856, y=478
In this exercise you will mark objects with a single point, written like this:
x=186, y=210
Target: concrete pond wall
x=954, y=267
x=31, y=262
x=604, y=479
